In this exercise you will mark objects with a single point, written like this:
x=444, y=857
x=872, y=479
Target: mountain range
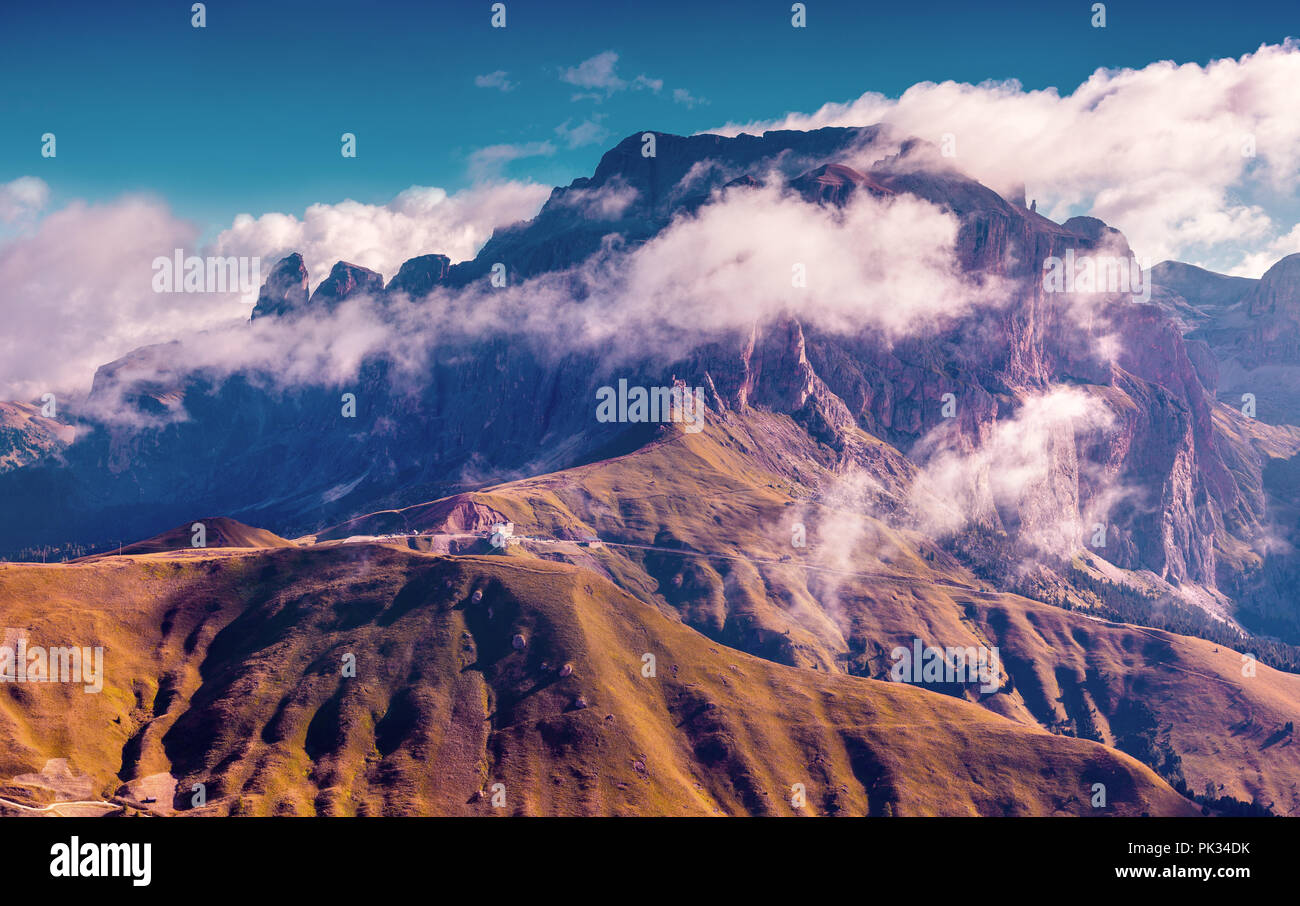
x=909, y=436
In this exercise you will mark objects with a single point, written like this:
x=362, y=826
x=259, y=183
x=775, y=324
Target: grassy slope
x=224, y=668
x=220, y=532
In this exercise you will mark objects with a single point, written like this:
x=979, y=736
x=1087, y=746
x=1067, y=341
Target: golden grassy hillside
x=220, y=532
x=1223, y=723
x=225, y=668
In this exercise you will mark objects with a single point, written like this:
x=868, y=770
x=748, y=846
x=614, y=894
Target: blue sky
x=245, y=115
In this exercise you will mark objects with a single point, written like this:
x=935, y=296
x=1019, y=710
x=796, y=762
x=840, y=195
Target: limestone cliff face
x=1251, y=328
x=1274, y=307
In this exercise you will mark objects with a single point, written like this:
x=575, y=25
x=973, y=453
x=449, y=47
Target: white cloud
x=644, y=81
x=22, y=199
x=734, y=264
x=419, y=221
x=1255, y=264
x=489, y=163
x=609, y=202
x=498, y=80
x=682, y=96
x=1155, y=152
x=587, y=132
x=78, y=283
x=78, y=293
x=596, y=72
x=600, y=77
x=1026, y=464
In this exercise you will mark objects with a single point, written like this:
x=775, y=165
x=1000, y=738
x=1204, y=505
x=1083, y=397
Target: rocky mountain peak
x=418, y=276
x=285, y=289
x=835, y=184
x=345, y=281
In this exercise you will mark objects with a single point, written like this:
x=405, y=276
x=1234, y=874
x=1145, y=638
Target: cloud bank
x=78, y=283
x=749, y=257
x=1200, y=163
x=419, y=221
x=77, y=293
